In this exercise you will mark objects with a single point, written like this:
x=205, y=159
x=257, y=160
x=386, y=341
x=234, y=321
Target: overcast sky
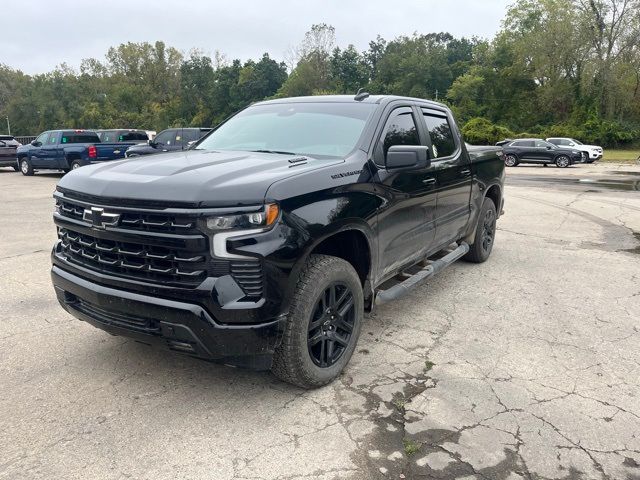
x=37, y=35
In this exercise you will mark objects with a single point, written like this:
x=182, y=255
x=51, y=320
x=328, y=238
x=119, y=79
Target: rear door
x=453, y=170
x=544, y=151
x=50, y=151
x=406, y=222
x=524, y=149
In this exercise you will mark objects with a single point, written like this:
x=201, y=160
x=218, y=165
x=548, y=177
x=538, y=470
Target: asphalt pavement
x=526, y=366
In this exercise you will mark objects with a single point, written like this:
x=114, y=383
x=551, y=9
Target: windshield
x=323, y=129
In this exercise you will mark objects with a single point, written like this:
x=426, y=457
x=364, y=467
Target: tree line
x=556, y=67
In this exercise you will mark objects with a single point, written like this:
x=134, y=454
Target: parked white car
x=591, y=153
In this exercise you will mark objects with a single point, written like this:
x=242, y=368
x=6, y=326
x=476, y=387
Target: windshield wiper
x=279, y=152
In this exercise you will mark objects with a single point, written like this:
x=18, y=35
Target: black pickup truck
x=264, y=245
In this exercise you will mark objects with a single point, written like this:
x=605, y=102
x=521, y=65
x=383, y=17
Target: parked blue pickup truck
x=66, y=150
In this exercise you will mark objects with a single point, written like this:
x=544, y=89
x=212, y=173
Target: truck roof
x=347, y=99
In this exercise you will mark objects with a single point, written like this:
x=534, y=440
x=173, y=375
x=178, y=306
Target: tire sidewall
x=29, y=169
x=340, y=271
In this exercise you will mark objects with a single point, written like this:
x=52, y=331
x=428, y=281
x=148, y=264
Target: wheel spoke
x=332, y=296
x=330, y=350
x=348, y=305
x=343, y=325
x=340, y=340
x=323, y=353
x=313, y=341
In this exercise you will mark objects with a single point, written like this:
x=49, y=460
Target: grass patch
x=428, y=365
x=411, y=447
x=399, y=403
x=620, y=156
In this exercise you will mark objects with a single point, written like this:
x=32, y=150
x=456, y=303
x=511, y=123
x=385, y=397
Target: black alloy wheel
x=488, y=230
x=331, y=325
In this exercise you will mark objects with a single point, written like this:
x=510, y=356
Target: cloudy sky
x=36, y=35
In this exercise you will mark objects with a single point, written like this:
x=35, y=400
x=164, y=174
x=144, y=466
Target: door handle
x=465, y=173
x=429, y=181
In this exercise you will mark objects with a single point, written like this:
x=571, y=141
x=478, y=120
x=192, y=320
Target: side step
x=397, y=291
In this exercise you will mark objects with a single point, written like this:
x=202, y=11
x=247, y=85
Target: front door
x=451, y=163
x=407, y=218
x=37, y=152
x=49, y=152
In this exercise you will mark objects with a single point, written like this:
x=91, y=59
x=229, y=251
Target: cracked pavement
x=527, y=366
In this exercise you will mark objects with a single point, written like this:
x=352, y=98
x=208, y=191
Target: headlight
x=262, y=219
x=223, y=227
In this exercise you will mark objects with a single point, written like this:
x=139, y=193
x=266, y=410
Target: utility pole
x=436, y=95
x=8, y=126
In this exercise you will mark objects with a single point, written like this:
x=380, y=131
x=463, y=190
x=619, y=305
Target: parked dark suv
x=8, y=152
x=535, y=150
x=169, y=140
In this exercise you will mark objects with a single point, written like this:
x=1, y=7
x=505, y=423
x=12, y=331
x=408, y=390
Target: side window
x=54, y=138
x=541, y=144
x=43, y=138
x=191, y=135
x=442, y=139
x=179, y=138
x=400, y=129
x=166, y=138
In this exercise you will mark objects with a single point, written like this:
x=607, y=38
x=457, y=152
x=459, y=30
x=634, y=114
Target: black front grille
x=133, y=260
x=147, y=245
x=142, y=221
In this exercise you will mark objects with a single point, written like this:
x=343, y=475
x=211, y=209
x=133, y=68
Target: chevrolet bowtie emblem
x=99, y=218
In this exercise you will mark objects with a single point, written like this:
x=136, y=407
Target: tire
x=313, y=317
x=511, y=160
x=75, y=164
x=485, y=234
x=25, y=167
x=16, y=168
x=562, y=161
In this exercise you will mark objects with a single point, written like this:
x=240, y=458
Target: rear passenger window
x=442, y=139
x=400, y=129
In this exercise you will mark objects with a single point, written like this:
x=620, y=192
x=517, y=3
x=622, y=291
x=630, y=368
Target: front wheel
x=563, y=161
x=511, y=160
x=323, y=324
x=485, y=234
x=25, y=167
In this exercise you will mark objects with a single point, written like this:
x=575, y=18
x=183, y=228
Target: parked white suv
x=590, y=153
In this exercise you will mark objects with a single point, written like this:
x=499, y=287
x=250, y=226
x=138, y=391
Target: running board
x=397, y=291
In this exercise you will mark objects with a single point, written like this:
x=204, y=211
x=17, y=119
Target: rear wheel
x=75, y=164
x=511, y=160
x=323, y=324
x=485, y=233
x=25, y=167
x=563, y=161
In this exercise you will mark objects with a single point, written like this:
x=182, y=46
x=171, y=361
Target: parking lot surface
x=527, y=366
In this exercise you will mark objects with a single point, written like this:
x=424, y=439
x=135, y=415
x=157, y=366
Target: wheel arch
x=350, y=241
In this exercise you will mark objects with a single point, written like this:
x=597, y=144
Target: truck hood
x=200, y=178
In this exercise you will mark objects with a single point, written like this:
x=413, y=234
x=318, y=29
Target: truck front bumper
x=181, y=327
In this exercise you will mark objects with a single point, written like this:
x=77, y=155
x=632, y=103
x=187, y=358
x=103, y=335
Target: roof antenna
x=361, y=95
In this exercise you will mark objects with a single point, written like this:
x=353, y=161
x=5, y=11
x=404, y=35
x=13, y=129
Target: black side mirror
x=152, y=143
x=548, y=147
x=35, y=143
x=407, y=157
